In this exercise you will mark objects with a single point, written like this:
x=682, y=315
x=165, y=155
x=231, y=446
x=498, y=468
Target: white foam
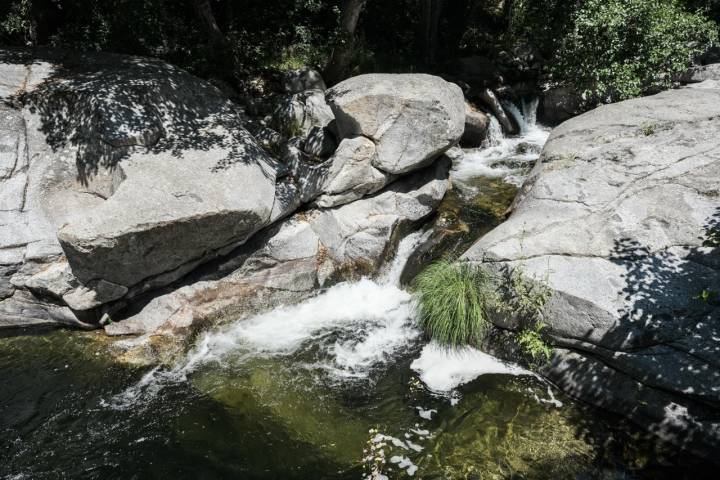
x=444, y=369
x=488, y=161
x=426, y=414
x=372, y=319
x=404, y=463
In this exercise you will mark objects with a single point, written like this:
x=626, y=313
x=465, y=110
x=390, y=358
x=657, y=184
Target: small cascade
x=495, y=134
x=348, y=330
x=503, y=157
x=529, y=111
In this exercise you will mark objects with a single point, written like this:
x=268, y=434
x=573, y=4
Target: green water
x=69, y=409
x=277, y=417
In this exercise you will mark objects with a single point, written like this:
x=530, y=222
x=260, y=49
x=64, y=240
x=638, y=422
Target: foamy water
x=444, y=369
x=508, y=158
x=355, y=327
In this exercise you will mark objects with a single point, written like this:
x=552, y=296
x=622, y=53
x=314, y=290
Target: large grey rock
x=142, y=170
x=302, y=79
x=172, y=210
x=412, y=118
x=621, y=217
x=185, y=178
x=296, y=114
x=291, y=260
x=351, y=174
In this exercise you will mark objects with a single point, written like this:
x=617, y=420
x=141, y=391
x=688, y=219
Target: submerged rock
x=411, y=118
x=620, y=216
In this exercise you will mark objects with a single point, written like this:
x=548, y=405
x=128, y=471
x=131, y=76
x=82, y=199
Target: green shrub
x=453, y=301
x=522, y=297
x=532, y=342
x=619, y=49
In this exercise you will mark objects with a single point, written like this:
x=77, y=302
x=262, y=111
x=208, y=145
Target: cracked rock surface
x=124, y=178
x=411, y=118
x=621, y=217
x=129, y=167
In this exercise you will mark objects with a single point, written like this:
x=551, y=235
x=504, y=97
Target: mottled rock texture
x=621, y=217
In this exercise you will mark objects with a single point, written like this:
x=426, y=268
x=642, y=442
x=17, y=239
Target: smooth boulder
x=289, y=261
x=411, y=118
x=621, y=217
x=133, y=169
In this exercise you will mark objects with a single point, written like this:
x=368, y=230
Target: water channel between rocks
x=339, y=386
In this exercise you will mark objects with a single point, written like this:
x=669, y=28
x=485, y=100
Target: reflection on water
x=279, y=417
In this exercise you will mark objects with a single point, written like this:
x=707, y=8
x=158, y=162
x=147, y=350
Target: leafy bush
x=618, y=49
x=522, y=297
x=544, y=23
x=453, y=301
x=532, y=342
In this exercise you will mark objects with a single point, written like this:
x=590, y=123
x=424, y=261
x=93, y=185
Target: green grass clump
x=453, y=301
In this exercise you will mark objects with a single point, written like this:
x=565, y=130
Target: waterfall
x=351, y=328
x=529, y=111
x=504, y=157
x=494, y=134
x=354, y=326
x=525, y=118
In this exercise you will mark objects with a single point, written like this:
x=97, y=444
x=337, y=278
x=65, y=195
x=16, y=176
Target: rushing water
x=341, y=386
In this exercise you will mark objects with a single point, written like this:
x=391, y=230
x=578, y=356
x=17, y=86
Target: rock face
x=289, y=261
x=476, y=128
x=621, y=216
x=297, y=114
x=120, y=176
x=411, y=118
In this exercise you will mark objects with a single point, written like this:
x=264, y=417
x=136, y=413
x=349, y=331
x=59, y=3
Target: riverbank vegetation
x=607, y=49
x=454, y=301
x=457, y=299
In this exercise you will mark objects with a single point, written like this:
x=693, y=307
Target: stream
x=341, y=386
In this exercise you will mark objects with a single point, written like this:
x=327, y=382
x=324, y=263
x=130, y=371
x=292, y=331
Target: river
x=341, y=386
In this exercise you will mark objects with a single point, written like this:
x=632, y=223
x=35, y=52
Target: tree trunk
x=341, y=56
x=208, y=22
x=431, y=24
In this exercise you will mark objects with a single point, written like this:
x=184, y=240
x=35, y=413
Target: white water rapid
x=351, y=329
x=505, y=157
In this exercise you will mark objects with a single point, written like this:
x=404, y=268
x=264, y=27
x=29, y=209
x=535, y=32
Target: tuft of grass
x=453, y=302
